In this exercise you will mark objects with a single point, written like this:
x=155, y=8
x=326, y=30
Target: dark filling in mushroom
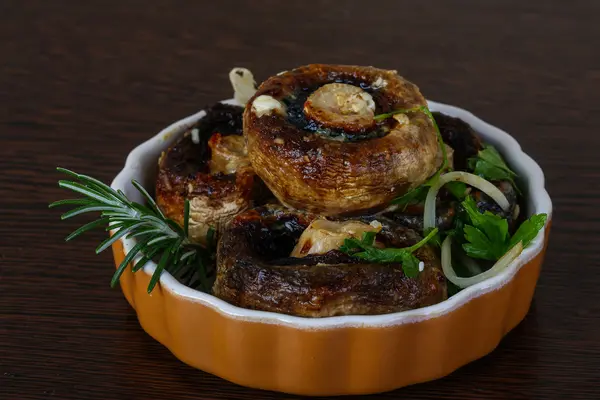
x=186, y=158
x=297, y=117
x=272, y=237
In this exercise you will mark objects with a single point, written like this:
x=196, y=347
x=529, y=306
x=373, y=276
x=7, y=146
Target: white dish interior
x=141, y=165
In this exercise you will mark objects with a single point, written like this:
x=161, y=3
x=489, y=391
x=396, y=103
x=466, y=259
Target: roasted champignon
x=208, y=166
x=255, y=269
x=312, y=138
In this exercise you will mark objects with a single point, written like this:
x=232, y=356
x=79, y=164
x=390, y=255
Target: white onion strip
x=498, y=267
x=470, y=179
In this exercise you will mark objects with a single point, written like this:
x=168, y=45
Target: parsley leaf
x=490, y=165
x=415, y=196
x=493, y=226
x=436, y=239
x=410, y=265
x=368, y=238
x=490, y=155
x=479, y=245
x=418, y=194
x=528, y=230
x=457, y=189
x=487, y=236
x=365, y=250
x=351, y=244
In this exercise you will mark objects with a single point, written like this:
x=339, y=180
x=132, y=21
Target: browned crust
x=172, y=189
x=184, y=173
x=323, y=285
x=309, y=171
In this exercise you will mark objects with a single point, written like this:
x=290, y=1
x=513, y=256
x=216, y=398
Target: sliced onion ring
x=498, y=267
x=470, y=179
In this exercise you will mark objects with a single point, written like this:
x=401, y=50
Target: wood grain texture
x=78, y=77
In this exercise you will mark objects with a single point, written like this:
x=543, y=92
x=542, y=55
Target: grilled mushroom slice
x=208, y=166
x=255, y=269
x=312, y=138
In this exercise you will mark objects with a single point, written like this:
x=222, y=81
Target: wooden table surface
x=82, y=83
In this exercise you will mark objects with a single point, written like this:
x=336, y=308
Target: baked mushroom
x=312, y=138
x=209, y=167
x=273, y=259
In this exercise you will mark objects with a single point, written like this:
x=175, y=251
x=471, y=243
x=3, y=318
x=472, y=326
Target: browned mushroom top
x=259, y=267
x=312, y=138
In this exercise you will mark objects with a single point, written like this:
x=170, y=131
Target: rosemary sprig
x=418, y=191
x=157, y=236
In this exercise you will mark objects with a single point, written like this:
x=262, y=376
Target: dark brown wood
x=83, y=82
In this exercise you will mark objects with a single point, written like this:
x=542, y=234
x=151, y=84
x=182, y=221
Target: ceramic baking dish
x=336, y=355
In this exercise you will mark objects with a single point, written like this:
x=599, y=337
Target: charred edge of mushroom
x=254, y=271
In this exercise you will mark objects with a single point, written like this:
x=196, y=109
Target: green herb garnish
x=528, y=230
x=487, y=235
x=157, y=237
x=211, y=238
x=457, y=189
x=415, y=196
x=418, y=195
x=490, y=165
x=365, y=250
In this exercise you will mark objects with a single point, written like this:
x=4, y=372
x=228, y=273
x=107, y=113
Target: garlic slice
x=323, y=235
x=244, y=85
x=265, y=105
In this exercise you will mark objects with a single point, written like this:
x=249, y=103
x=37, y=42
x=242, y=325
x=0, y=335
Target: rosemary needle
x=156, y=235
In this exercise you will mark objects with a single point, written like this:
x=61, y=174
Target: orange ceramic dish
x=336, y=355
